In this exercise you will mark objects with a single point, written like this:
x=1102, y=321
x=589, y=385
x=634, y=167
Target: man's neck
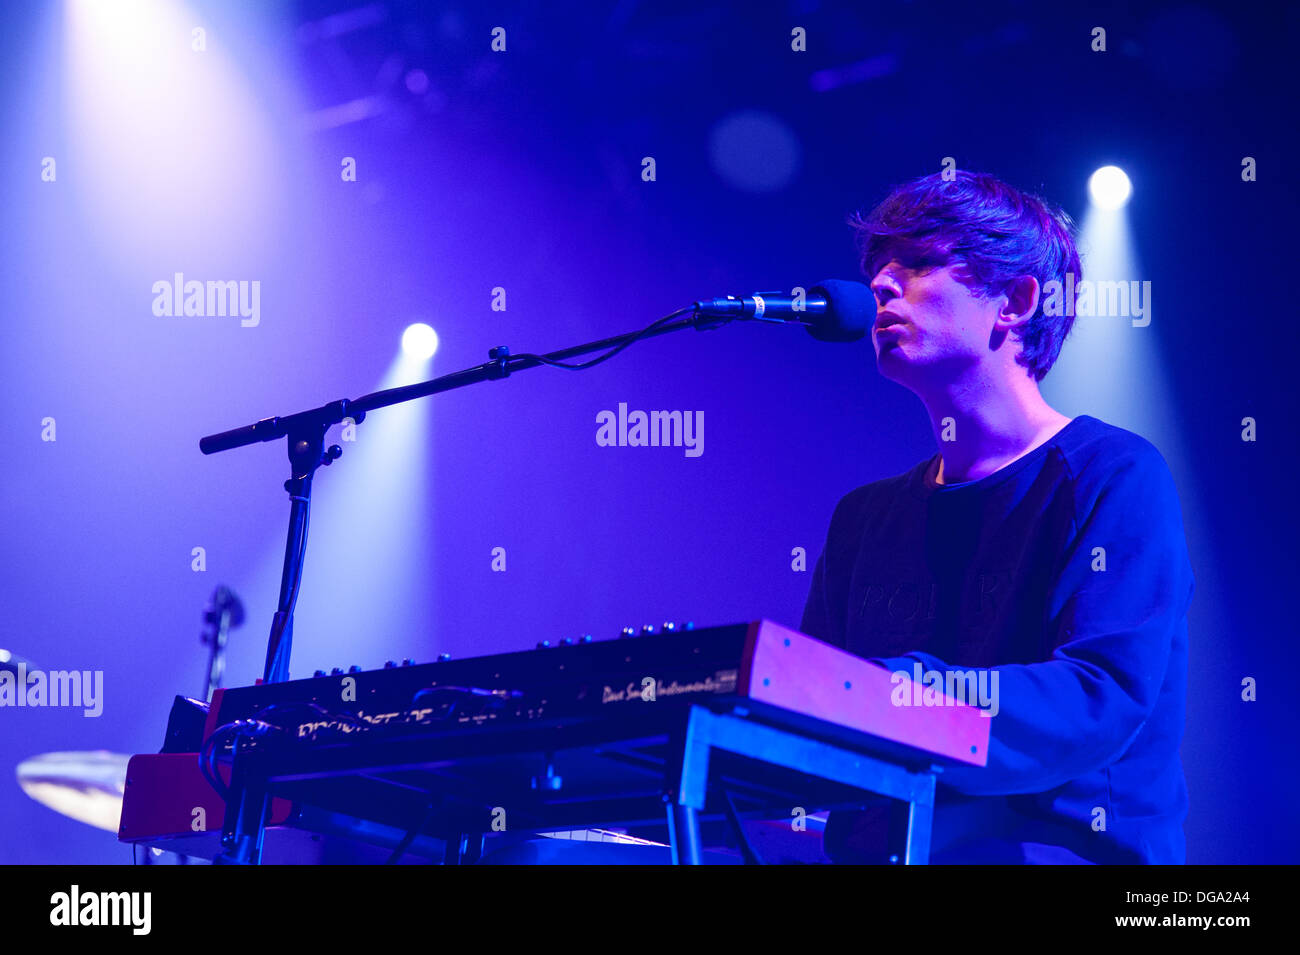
x=982, y=427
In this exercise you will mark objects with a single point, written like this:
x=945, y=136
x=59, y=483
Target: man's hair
x=994, y=232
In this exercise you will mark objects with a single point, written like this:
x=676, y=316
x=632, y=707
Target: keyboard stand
x=707, y=731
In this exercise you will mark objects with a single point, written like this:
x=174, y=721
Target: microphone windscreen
x=850, y=312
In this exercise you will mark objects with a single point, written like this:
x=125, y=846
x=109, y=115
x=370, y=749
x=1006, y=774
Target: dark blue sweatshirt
x=1067, y=573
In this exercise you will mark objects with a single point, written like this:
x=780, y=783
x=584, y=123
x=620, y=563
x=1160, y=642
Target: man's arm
x=1111, y=636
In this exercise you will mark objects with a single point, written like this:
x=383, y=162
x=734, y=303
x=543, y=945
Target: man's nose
x=884, y=288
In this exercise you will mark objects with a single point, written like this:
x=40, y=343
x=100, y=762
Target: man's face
x=941, y=327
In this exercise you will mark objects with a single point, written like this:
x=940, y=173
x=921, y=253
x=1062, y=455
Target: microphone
x=833, y=310
x=224, y=601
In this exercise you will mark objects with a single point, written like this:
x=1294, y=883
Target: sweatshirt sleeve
x=1110, y=629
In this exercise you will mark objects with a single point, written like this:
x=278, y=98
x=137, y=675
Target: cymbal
x=87, y=787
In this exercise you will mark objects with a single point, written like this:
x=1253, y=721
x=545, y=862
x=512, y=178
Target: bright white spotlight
x=1109, y=187
x=419, y=341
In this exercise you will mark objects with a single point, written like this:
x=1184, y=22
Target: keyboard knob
x=444, y=657
x=337, y=671
x=568, y=641
x=543, y=644
x=354, y=669
x=319, y=673
x=669, y=626
x=647, y=630
x=586, y=638
x=628, y=632
x=408, y=662
x=390, y=664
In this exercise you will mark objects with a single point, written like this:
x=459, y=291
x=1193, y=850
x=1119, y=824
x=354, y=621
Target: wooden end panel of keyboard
x=786, y=668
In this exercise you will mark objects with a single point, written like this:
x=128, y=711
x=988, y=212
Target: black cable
x=208, y=753
x=400, y=849
x=208, y=763
x=316, y=710
x=301, y=555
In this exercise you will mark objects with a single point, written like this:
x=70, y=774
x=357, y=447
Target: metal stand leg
x=684, y=834
x=474, y=843
x=705, y=731
x=245, y=823
x=920, y=818
x=463, y=848
x=688, y=786
x=454, y=852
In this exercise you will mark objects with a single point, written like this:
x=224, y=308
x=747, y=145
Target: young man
x=1043, y=554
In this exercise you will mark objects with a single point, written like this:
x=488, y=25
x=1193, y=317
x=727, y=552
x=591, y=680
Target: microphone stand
x=224, y=613
x=307, y=452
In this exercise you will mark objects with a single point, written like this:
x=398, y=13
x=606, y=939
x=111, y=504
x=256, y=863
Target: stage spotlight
x=419, y=341
x=1109, y=187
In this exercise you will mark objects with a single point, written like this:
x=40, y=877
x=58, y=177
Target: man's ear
x=1021, y=301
